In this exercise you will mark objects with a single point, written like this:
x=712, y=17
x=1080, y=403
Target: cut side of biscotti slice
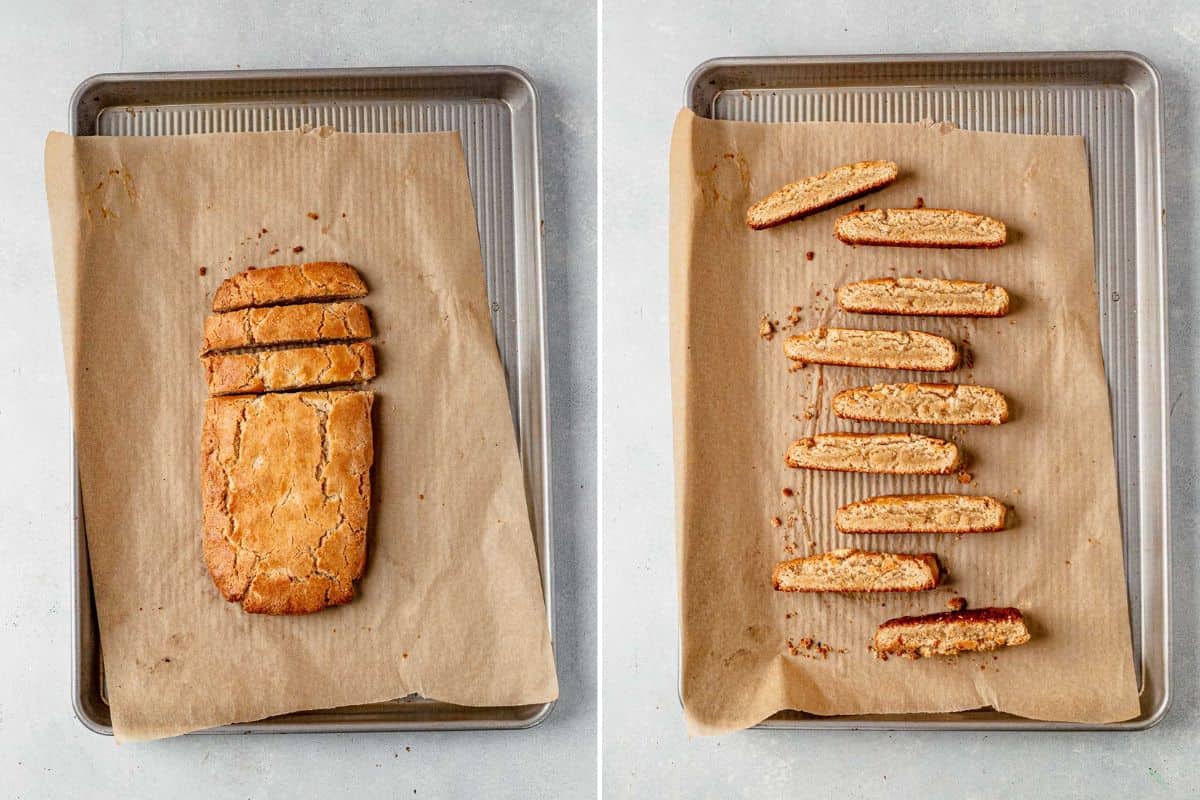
x=923, y=403
x=818, y=192
x=278, y=325
x=922, y=513
x=920, y=227
x=924, y=297
x=293, y=283
x=858, y=571
x=849, y=347
x=888, y=453
x=296, y=368
x=951, y=632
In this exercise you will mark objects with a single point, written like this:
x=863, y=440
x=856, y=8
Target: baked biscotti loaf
x=924, y=297
x=920, y=227
x=889, y=453
x=296, y=368
x=848, y=347
x=296, y=324
x=858, y=571
x=923, y=403
x=286, y=491
x=951, y=632
x=293, y=283
x=922, y=513
x=818, y=192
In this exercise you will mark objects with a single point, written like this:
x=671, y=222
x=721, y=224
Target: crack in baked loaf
x=286, y=489
x=858, y=571
x=920, y=227
x=890, y=453
x=922, y=513
x=948, y=633
x=923, y=403
x=925, y=297
x=817, y=192
x=293, y=283
x=848, y=347
x=295, y=324
x=296, y=368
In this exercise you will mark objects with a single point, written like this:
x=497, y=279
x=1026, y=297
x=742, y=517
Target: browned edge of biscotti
x=229, y=295
x=809, y=211
x=971, y=615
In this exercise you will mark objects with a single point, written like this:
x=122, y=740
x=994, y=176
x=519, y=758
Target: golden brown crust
x=920, y=227
x=922, y=513
x=923, y=403
x=849, y=347
x=849, y=570
x=292, y=283
x=951, y=632
x=886, y=453
x=286, y=490
x=923, y=297
x=297, y=368
x=818, y=192
x=279, y=325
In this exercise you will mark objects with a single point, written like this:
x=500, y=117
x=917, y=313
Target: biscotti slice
x=951, y=632
x=297, y=368
x=858, y=571
x=920, y=227
x=848, y=347
x=297, y=324
x=922, y=513
x=818, y=192
x=889, y=453
x=286, y=491
x=923, y=403
x=924, y=297
x=293, y=283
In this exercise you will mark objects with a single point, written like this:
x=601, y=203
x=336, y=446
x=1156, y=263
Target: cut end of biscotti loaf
x=951, y=632
x=818, y=192
x=926, y=297
x=286, y=493
x=293, y=283
x=922, y=513
x=889, y=453
x=920, y=227
x=280, y=325
x=848, y=347
x=923, y=403
x=296, y=368
x=858, y=571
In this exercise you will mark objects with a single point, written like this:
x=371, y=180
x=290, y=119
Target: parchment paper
x=737, y=407
x=451, y=605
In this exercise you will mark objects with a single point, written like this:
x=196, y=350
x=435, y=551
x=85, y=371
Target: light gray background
x=647, y=52
x=46, y=48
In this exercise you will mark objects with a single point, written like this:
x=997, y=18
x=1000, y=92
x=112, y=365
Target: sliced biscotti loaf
x=951, y=632
x=293, y=283
x=858, y=571
x=296, y=368
x=818, y=192
x=922, y=513
x=889, y=453
x=923, y=403
x=924, y=297
x=297, y=324
x=849, y=347
x=920, y=227
x=286, y=491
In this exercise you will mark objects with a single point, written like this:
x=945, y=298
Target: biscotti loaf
x=922, y=513
x=858, y=571
x=320, y=280
x=923, y=403
x=286, y=491
x=296, y=368
x=890, y=453
x=928, y=297
x=920, y=227
x=951, y=632
x=295, y=324
x=888, y=349
x=818, y=192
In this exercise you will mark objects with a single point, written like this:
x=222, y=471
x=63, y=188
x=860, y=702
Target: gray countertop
x=647, y=52
x=48, y=48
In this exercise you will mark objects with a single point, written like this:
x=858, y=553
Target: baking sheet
x=495, y=111
x=1112, y=100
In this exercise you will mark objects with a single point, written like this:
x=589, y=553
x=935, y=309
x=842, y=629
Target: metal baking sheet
x=495, y=110
x=1113, y=100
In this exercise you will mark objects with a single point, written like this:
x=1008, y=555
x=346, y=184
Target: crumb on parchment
x=767, y=327
x=956, y=603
